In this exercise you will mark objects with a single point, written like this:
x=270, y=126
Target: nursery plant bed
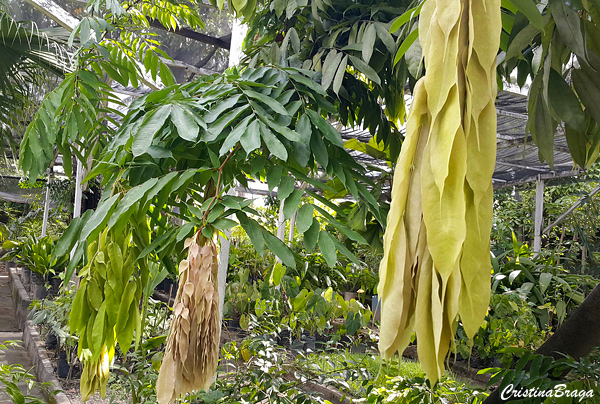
x=459, y=368
x=44, y=367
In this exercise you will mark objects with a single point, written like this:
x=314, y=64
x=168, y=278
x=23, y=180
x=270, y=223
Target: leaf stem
x=216, y=196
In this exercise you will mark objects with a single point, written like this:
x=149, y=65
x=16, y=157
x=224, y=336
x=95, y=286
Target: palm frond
x=29, y=58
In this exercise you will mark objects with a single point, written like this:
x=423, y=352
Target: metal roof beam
x=540, y=170
x=547, y=176
x=511, y=114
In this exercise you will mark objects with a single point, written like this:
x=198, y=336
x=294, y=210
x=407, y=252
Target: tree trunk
x=577, y=337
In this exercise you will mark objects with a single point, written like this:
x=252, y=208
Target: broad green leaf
x=282, y=130
x=406, y=44
x=304, y=219
x=544, y=131
x=343, y=229
x=319, y=149
x=145, y=133
x=569, y=26
x=71, y=235
x=273, y=144
x=545, y=279
x=342, y=249
x=384, y=34
x=577, y=142
x=84, y=30
x=302, y=147
x=530, y=10
x=327, y=247
x=312, y=235
x=274, y=176
x=405, y=17
x=186, y=125
x=250, y=139
x=279, y=249
x=587, y=85
x=277, y=274
x=352, y=323
x=286, y=187
x=521, y=41
x=166, y=75
x=309, y=83
x=291, y=203
x=224, y=224
x=365, y=69
x=221, y=107
x=279, y=6
x=326, y=128
x=157, y=242
x=368, y=42
x=125, y=205
x=100, y=217
x=254, y=232
x=507, y=4
x=217, y=127
x=564, y=103
x=97, y=334
x=272, y=103
x=330, y=67
x=235, y=135
x=339, y=75
x=124, y=327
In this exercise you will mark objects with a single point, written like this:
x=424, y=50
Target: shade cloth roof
x=517, y=159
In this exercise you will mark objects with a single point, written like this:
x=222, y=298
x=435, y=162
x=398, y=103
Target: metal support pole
x=238, y=32
x=46, y=208
x=281, y=223
x=292, y=228
x=77, y=207
x=539, y=215
x=225, y=244
x=78, y=189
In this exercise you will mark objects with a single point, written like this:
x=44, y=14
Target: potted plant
x=36, y=255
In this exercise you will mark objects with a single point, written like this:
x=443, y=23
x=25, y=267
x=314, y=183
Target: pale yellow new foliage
x=436, y=264
x=190, y=359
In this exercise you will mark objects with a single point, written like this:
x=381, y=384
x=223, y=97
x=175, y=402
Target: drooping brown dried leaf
x=190, y=359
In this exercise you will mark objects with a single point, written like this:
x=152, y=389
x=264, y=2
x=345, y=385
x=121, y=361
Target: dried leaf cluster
x=190, y=359
x=436, y=265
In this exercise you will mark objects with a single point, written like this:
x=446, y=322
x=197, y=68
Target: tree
x=179, y=147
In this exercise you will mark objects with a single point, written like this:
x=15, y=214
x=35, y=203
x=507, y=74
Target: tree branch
x=223, y=42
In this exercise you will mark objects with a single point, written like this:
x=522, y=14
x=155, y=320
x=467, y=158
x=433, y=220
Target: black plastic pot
x=322, y=342
x=309, y=344
x=284, y=338
x=63, y=366
x=358, y=348
x=296, y=347
x=26, y=275
x=38, y=287
x=55, y=286
x=51, y=341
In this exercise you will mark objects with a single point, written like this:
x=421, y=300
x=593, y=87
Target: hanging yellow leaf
x=436, y=264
